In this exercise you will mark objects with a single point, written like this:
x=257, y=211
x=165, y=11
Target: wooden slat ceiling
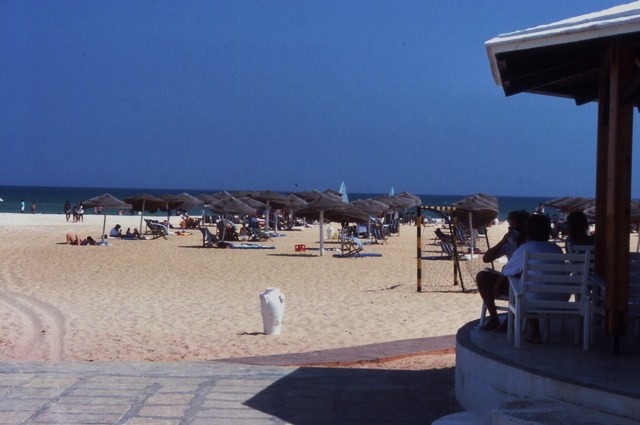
x=567, y=70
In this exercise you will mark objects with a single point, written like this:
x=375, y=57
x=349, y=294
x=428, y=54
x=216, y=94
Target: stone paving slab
x=219, y=393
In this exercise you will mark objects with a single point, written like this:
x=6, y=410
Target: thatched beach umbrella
x=105, y=201
x=275, y=199
x=295, y=203
x=316, y=208
x=253, y=203
x=182, y=201
x=244, y=193
x=568, y=204
x=230, y=205
x=483, y=207
x=144, y=202
x=413, y=199
x=370, y=206
x=308, y=195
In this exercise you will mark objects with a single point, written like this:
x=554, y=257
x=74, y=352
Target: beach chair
x=156, y=230
x=258, y=235
x=377, y=236
x=551, y=286
x=440, y=236
x=352, y=247
x=209, y=240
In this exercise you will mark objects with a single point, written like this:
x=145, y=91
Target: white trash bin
x=272, y=306
x=330, y=232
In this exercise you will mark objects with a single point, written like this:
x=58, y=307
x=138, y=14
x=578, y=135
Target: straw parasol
x=253, y=203
x=414, y=199
x=317, y=208
x=105, y=201
x=275, y=199
x=308, y=195
x=144, y=202
x=230, y=205
x=482, y=206
x=295, y=203
x=370, y=206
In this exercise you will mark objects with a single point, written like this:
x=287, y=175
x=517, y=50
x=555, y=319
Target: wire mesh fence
x=444, y=270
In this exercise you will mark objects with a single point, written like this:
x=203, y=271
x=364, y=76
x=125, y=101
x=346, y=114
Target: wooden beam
x=618, y=196
x=601, y=169
x=549, y=75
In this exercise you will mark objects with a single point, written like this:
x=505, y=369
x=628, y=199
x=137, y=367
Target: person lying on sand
x=75, y=240
x=133, y=235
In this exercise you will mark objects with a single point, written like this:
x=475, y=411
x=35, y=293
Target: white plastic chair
x=551, y=286
x=597, y=295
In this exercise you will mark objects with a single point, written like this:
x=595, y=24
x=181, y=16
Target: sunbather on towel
x=133, y=235
x=75, y=240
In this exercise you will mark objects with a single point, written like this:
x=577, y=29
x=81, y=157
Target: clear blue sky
x=283, y=95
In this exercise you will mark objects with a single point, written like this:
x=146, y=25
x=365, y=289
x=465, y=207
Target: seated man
x=492, y=283
x=538, y=232
x=116, y=232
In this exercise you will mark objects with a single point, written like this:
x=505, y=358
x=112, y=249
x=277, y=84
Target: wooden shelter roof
x=563, y=58
x=593, y=57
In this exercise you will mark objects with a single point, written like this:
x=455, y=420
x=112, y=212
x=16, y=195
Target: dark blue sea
x=50, y=200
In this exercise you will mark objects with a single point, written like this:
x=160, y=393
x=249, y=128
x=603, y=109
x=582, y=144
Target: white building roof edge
x=617, y=20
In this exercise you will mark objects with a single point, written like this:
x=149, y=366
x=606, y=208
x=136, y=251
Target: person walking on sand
x=33, y=207
x=22, y=206
x=67, y=210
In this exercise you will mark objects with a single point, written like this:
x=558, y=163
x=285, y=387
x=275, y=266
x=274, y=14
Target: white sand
x=172, y=300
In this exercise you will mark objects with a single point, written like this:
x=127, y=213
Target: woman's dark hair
x=521, y=216
x=538, y=228
x=577, y=223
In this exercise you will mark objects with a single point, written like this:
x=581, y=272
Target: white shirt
x=516, y=262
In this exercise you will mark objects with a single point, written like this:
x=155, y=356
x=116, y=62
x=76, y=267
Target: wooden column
x=618, y=191
x=601, y=169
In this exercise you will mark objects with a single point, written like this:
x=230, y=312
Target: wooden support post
x=618, y=195
x=601, y=170
x=419, y=248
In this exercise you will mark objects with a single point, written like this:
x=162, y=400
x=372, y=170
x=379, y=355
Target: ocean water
x=50, y=200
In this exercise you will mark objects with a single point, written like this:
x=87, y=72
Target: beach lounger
x=157, y=230
x=209, y=240
x=377, y=236
x=256, y=234
x=352, y=248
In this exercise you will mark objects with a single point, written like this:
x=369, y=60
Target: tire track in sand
x=41, y=326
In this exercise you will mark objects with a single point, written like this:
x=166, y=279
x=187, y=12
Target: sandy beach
x=173, y=300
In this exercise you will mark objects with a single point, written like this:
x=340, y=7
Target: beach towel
x=247, y=246
x=357, y=255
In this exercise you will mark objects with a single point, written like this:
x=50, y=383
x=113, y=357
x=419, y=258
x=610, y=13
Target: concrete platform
x=491, y=373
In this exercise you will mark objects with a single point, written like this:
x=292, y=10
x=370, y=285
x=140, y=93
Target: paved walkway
x=255, y=390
